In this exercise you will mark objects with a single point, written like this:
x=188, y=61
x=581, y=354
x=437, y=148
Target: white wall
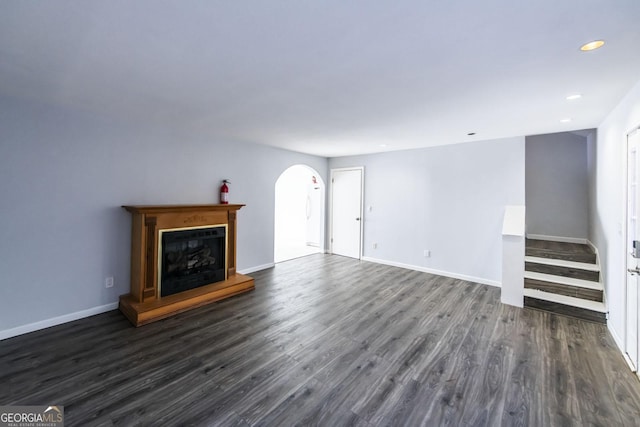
x=607, y=222
x=64, y=176
x=448, y=199
x=293, y=210
x=557, y=186
x=592, y=159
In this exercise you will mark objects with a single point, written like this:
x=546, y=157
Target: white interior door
x=346, y=211
x=632, y=343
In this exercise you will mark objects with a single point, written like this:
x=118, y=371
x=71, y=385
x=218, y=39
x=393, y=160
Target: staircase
x=563, y=278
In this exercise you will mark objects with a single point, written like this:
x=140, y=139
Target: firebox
x=191, y=257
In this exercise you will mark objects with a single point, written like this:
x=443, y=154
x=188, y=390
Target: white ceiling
x=326, y=77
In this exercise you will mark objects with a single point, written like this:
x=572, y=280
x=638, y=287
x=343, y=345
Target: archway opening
x=299, y=213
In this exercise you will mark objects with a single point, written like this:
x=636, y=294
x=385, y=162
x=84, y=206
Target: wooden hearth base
x=144, y=303
x=141, y=313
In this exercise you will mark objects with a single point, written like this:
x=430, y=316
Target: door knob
x=633, y=270
x=357, y=219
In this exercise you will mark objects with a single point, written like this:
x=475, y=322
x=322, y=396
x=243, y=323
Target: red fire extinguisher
x=224, y=192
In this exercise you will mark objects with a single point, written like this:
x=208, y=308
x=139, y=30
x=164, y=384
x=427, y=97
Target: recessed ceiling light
x=574, y=96
x=382, y=145
x=471, y=133
x=567, y=120
x=592, y=45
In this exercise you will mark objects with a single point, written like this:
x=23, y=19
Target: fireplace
x=190, y=258
x=182, y=257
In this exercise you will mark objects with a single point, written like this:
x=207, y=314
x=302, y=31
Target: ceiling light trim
x=592, y=45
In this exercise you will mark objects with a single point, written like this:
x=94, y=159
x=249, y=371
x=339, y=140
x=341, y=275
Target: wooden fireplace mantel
x=144, y=304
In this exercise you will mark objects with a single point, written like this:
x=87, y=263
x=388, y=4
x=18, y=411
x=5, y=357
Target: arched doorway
x=299, y=213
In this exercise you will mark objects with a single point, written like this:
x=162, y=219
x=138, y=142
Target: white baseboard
x=257, y=268
x=604, y=293
x=558, y=239
x=433, y=271
x=618, y=341
x=47, y=323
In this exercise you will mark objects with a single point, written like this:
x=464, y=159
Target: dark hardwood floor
x=326, y=340
x=560, y=250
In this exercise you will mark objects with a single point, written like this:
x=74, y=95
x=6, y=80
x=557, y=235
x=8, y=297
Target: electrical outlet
x=375, y=246
x=427, y=253
x=108, y=282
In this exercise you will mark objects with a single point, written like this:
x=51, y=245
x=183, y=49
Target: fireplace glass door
x=190, y=258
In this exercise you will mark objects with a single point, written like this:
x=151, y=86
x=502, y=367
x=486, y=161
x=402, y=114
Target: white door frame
x=361, y=169
x=625, y=236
